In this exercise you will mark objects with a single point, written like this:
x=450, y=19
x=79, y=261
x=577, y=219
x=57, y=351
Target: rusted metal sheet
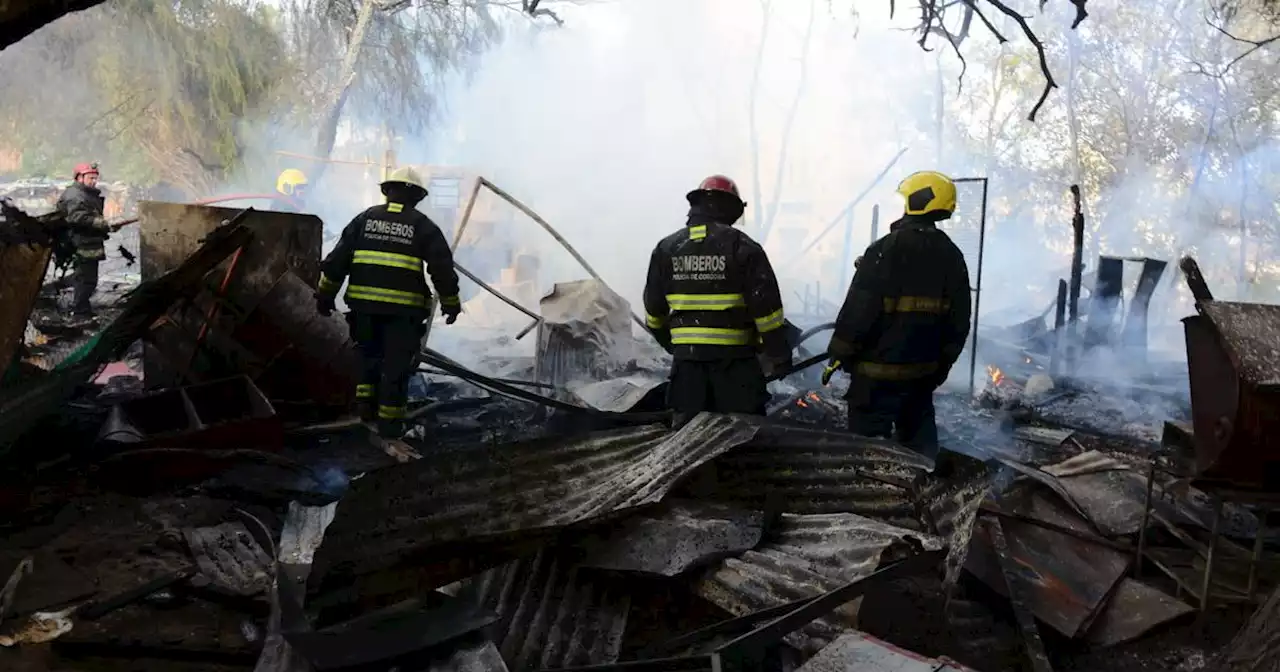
x=1133, y=611
x=552, y=613
x=807, y=471
x=1017, y=597
x=171, y=231
x=1235, y=392
x=431, y=522
x=1064, y=579
x=24, y=269
x=864, y=653
x=670, y=541
x=807, y=556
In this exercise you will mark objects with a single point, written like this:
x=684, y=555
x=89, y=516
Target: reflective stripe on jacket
x=381, y=254
x=711, y=294
x=906, y=316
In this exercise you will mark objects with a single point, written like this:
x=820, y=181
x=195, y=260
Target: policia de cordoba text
x=711, y=300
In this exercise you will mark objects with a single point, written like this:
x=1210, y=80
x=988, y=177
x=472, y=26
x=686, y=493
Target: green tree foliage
x=153, y=89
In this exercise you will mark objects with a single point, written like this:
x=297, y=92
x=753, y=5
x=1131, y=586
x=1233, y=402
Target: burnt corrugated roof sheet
x=553, y=613
x=806, y=556
x=808, y=471
x=408, y=520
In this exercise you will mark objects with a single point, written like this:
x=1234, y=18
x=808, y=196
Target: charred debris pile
x=181, y=491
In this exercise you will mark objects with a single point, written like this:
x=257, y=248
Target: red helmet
x=85, y=169
x=715, y=183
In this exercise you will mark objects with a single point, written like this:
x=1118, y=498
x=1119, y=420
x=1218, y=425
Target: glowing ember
x=997, y=376
x=801, y=404
x=813, y=396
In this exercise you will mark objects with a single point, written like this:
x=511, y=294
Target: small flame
x=997, y=376
x=801, y=404
x=813, y=396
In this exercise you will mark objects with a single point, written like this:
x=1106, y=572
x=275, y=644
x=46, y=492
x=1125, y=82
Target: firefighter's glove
x=324, y=304
x=832, y=366
x=450, y=313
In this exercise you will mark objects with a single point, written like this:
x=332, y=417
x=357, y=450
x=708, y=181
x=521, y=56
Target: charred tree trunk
x=1257, y=647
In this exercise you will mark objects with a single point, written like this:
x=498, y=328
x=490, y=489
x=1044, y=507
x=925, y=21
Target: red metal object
x=1233, y=358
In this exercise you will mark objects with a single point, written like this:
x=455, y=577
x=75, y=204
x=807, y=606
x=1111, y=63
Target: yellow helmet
x=928, y=192
x=289, y=179
x=405, y=175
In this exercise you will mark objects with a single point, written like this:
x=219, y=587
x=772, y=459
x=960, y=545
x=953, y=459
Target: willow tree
x=162, y=87
x=184, y=78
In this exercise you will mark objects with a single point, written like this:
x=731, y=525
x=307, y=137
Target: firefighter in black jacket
x=712, y=301
x=905, y=319
x=380, y=255
x=81, y=205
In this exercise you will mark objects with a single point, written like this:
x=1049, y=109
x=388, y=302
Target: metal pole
x=977, y=297
x=466, y=213
x=554, y=234
x=485, y=286
x=875, y=223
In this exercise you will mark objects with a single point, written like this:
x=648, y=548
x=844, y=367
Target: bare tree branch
x=1049, y=84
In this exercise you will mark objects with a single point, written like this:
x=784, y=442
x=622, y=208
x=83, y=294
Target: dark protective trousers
x=903, y=412
x=84, y=283
x=720, y=386
x=389, y=346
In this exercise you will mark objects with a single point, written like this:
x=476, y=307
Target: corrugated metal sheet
x=552, y=613
x=407, y=523
x=671, y=541
x=862, y=652
x=949, y=505
x=808, y=471
x=471, y=655
x=807, y=556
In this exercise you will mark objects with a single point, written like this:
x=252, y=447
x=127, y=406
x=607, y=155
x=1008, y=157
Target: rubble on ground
x=200, y=502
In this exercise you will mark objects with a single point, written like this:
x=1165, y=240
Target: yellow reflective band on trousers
x=364, y=391
x=706, y=301
x=654, y=322
x=698, y=232
x=880, y=371
x=915, y=304
x=328, y=286
x=711, y=336
x=389, y=259
x=366, y=293
x=395, y=207
x=91, y=253
x=391, y=412
x=450, y=301
x=770, y=322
